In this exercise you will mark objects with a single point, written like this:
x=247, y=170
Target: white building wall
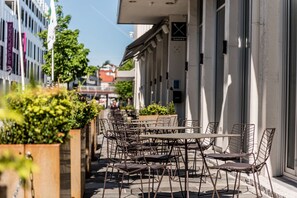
x=176, y=66
x=208, y=66
x=192, y=76
x=267, y=75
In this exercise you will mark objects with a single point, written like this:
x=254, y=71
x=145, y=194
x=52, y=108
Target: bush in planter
x=10, y=161
x=48, y=117
x=84, y=111
x=157, y=109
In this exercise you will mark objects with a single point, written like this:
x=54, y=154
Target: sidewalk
x=94, y=184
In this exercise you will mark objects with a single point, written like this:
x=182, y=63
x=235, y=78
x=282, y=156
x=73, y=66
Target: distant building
x=33, y=22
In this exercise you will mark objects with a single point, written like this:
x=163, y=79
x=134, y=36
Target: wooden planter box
x=76, y=164
x=9, y=180
x=46, y=182
x=174, y=118
x=148, y=117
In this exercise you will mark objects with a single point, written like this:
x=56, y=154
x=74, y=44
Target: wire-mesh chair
x=106, y=129
x=255, y=168
x=129, y=146
x=235, y=149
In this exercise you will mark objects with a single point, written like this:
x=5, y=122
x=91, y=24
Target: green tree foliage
x=124, y=89
x=70, y=56
x=127, y=66
x=91, y=70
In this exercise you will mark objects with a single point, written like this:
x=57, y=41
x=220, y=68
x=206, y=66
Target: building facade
x=228, y=61
x=33, y=21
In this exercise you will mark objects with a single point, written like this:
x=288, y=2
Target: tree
x=127, y=66
x=70, y=56
x=125, y=88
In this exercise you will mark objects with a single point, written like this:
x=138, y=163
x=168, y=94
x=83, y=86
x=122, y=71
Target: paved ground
x=94, y=184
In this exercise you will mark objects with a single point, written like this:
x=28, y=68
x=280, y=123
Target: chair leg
x=238, y=188
x=141, y=185
x=156, y=192
x=201, y=175
x=121, y=186
x=215, y=183
x=255, y=182
x=235, y=182
x=269, y=180
x=227, y=180
x=105, y=178
x=149, y=184
x=170, y=184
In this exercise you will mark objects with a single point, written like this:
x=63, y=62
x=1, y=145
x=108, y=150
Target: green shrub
x=48, y=117
x=157, y=109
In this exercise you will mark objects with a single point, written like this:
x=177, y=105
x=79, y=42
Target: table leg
x=186, y=170
x=208, y=171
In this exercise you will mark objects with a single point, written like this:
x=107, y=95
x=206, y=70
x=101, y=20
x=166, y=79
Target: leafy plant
x=48, y=117
x=84, y=111
x=124, y=89
x=171, y=108
x=157, y=109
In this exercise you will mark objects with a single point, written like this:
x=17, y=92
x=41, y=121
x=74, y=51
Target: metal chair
x=106, y=129
x=255, y=168
x=205, y=143
x=129, y=146
x=235, y=149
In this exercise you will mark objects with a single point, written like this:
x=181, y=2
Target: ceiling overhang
x=140, y=44
x=149, y=11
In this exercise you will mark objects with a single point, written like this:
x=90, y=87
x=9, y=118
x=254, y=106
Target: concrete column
x=192, y=76
x=164, y=68
x=208, y=67
x=176, y=63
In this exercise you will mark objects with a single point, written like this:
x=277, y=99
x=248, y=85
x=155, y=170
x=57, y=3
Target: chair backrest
x=237, y=144
x=191, y=123
x=127, y=137
x=105, y=126
x=163, y=121
x=264, y=148
x=249, y=139
x=211, y=128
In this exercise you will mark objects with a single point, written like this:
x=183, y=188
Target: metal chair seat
x=226, y=156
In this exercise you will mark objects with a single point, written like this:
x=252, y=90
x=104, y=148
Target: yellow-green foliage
x=47, y=113
x=157, y=109
x=84, y=111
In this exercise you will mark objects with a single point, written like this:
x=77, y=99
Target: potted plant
x=47, y=119
x=81, y=141
x=13, y=166
x=154, y=110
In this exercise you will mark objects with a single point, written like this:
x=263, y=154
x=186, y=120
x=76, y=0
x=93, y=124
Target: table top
x=188, y=136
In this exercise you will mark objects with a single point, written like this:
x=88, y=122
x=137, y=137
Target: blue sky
x=99, y=31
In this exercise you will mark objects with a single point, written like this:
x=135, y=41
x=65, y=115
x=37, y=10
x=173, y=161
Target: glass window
x=220, y=3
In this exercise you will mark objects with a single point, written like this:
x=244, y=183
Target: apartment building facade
x=33, y=21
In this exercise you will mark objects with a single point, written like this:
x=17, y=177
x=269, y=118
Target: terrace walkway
x=94, y=184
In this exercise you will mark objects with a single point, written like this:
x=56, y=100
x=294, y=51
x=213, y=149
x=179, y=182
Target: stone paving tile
x=94, y=185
